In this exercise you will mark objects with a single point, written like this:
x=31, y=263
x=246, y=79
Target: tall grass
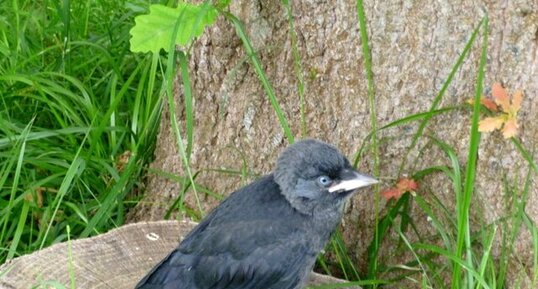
x=78, y=117
x=298, y=65
x=465, y=255
x=367, y=56
x=261, y=74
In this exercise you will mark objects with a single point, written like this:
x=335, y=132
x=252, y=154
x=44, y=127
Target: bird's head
x=314, y=175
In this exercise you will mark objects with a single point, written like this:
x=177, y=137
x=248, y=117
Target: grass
x=261, y=74
x=78, y=116
x=367, y=56
x=298, y=65
x=465, y=254
x=78, y=119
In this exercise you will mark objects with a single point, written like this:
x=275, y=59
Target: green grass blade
x=456, y=171
x=486, y=255
x=399, y=122
x=103, y=125
x=298, y=65
x=110, y=200
x=382, y=229
x=187, y=93
x=373, y=120
x=343, y=257
x=436, y=223
x=66, y=84
x=533, y=164
x=426, y=280
x=4, y=142
x=531, y=226
x=137, y=107
x=15, y=185
x=371, y=85
x=261, y=74
x=464, y=235
x=462, y=264
x=70, y=267
x=440, y=94
x=70, y=175
x=20, y=228
x=349, y=284
x=112, y=116
x=168, y=84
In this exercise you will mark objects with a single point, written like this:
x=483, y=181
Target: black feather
x=265, y=235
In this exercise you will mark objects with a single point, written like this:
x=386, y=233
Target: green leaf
x=153, y=32
x=222, y=4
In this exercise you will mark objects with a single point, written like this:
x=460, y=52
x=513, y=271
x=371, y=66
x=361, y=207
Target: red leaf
x=501, y=96
x=489, y=104
x=510, y=128
x=391, y=193
x=406, y=185
x=486, y=102
x=403, y=185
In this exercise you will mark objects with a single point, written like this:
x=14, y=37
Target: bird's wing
x=259, y=254
x=172, y=267
x=247, y=254
x=253, y=239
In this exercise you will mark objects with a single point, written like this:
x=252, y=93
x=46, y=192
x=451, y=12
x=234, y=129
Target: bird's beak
x=351, y=180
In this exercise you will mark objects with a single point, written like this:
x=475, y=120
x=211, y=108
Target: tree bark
x=414, y=45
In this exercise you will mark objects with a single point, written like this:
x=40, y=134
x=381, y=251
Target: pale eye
x=324, y=181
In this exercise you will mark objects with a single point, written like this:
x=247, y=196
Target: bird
x=266, y=235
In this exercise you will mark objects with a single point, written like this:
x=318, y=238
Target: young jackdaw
x=267, y=234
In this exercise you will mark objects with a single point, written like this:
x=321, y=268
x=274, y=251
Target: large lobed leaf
x=153, y=31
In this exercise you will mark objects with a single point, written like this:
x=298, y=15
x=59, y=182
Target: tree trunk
x=414, y=45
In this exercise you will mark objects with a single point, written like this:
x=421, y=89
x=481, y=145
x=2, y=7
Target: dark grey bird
x=267, y=234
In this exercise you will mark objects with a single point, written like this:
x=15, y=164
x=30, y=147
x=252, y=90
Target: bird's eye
x=324, y=181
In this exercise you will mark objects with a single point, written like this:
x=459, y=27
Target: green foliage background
x=78, y=117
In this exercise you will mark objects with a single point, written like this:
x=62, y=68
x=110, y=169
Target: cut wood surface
x=117, y=259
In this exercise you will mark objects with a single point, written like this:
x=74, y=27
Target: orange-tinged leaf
x=392, y=193
x=517, y=98
x=486, y=102
x=403, y=185
x=510, y=128
x=489, y=104
x=407, y=185
x=501, y=96
x=490, y=124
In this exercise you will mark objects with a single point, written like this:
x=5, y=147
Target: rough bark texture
x=115, y=260
x=414, y=45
